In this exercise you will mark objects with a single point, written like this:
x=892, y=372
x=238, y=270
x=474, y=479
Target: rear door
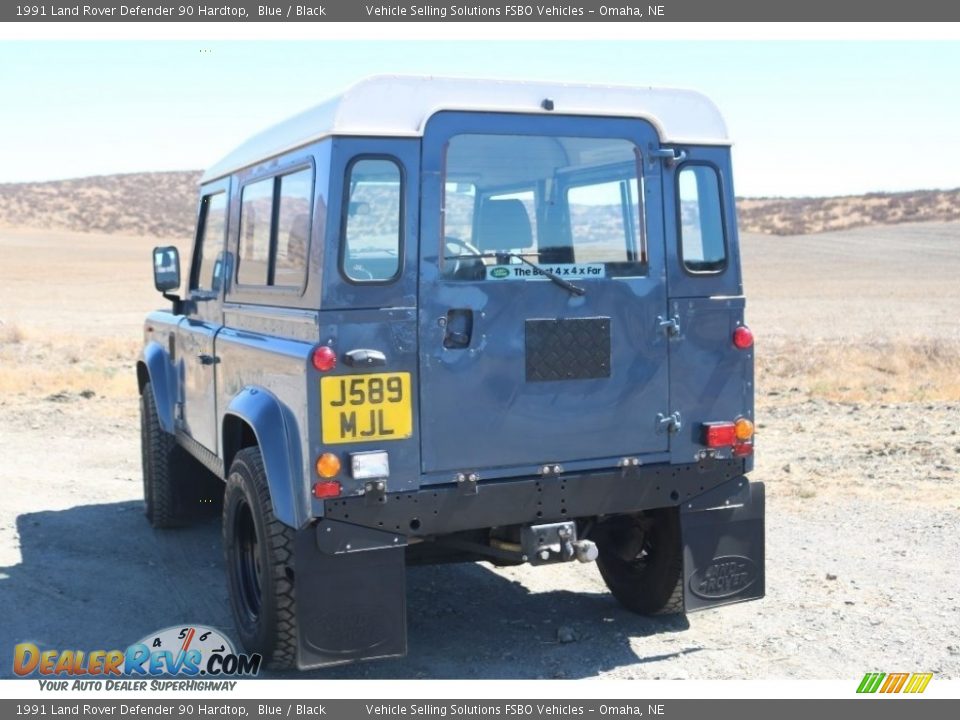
x=518, y=370
x=711, y=380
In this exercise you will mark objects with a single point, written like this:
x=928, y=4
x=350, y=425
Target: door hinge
x=671, y=326
x=669, y=423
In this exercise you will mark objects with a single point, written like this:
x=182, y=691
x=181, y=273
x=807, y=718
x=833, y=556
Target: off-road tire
x=641, y=561
x=263, y=609
x=164, y=477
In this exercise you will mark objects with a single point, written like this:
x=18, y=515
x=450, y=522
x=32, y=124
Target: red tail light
x=742, y=338
x=324, y=358
x=719, y=434
x=742, y=449
x=326, y=489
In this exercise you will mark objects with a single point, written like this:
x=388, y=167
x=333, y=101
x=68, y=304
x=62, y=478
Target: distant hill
x=160, y=204
x=799, y=216
x=163, y=204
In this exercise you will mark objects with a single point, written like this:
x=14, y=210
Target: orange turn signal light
x=328, y=465
x=744, y=429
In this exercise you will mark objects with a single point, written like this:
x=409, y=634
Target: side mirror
x=166, y=268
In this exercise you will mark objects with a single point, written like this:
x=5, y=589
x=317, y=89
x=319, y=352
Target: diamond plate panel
x=568, y=349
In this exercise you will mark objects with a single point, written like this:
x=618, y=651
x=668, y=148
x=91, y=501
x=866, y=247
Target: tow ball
x=554, y=543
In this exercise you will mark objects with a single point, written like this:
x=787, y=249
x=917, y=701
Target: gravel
x=862, y=556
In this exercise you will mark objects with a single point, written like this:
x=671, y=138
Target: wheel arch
x=256, y=417
x=154, y=367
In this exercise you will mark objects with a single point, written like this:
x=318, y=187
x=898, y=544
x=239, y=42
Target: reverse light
x=719, y=434
x=324, y=358
x=328, y=465
x=373, y=465
x=742, y=337
x=743, y=429
x=326, y=489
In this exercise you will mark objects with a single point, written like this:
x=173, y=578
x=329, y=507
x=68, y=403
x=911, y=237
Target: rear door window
x=571, y=205
x=702, y=237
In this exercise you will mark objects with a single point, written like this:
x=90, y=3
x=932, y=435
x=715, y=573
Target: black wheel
x=641, y=561
x=164, y=480
x=259, y=558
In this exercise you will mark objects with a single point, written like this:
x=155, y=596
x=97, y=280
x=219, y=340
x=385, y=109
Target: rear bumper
x=447, y=509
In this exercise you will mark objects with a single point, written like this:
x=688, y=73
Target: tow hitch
x=555, y=542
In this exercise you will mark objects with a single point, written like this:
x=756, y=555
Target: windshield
x=570, y=205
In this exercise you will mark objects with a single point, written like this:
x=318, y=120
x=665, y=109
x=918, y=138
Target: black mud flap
x=351, y=594
x=723, y=545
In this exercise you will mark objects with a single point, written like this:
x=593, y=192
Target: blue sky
x=807, y=117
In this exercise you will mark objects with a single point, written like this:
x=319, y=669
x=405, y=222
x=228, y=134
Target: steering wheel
x=463, y=249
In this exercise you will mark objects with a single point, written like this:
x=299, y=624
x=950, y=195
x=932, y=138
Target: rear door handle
x=362, y=357
x=459, y=328
x=206, y=359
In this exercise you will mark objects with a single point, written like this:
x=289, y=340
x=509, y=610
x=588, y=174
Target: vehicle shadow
x=97, y=577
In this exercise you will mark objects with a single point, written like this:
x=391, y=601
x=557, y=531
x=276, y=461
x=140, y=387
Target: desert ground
x=858, y=409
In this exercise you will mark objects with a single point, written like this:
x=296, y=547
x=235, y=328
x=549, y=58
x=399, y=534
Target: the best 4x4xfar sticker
x=894, y=682
x=579, y=271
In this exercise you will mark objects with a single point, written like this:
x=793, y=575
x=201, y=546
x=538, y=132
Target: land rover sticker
x=578, y=271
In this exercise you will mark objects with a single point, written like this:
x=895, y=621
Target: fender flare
x=154, y=367
x=277, y=436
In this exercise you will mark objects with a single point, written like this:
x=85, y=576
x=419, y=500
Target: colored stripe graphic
x=913, y=683
x=870, y=682
x=918, y=683
x=894, y=682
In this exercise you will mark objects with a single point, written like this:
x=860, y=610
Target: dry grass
x=10, y=334
x=881, y=371
x=39, y=367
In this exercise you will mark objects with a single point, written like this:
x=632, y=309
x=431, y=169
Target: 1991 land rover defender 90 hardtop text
x=454, y=320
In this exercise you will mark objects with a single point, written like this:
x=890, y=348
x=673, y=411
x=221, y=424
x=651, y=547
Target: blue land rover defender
x=438, y=320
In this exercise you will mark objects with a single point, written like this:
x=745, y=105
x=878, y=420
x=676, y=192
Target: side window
x=702, y=242
x=207, y=266
x=256, y=212
x=372, y=222
x=293, y=228
x=275, y=230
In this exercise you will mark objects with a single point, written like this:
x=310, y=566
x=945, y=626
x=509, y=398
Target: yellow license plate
x=364, y=408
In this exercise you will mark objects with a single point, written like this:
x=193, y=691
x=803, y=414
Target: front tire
x=164, y=495
x=641, y=561
x=258, y=550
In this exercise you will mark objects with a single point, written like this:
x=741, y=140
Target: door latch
x=671, y=325
x=670, y=156
x=669, y=423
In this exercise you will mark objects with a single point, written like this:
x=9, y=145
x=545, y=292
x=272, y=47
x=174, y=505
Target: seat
x=503, y=225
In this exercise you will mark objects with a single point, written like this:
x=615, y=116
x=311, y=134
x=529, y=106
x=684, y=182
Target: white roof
x=399, y=106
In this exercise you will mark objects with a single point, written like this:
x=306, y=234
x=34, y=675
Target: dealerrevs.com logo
x=192, y=652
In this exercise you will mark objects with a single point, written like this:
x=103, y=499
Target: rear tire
x=164, y=494
x=641, y=561
x=259, y=555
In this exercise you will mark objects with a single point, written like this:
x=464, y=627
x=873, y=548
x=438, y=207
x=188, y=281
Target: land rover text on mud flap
x=439, y=320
